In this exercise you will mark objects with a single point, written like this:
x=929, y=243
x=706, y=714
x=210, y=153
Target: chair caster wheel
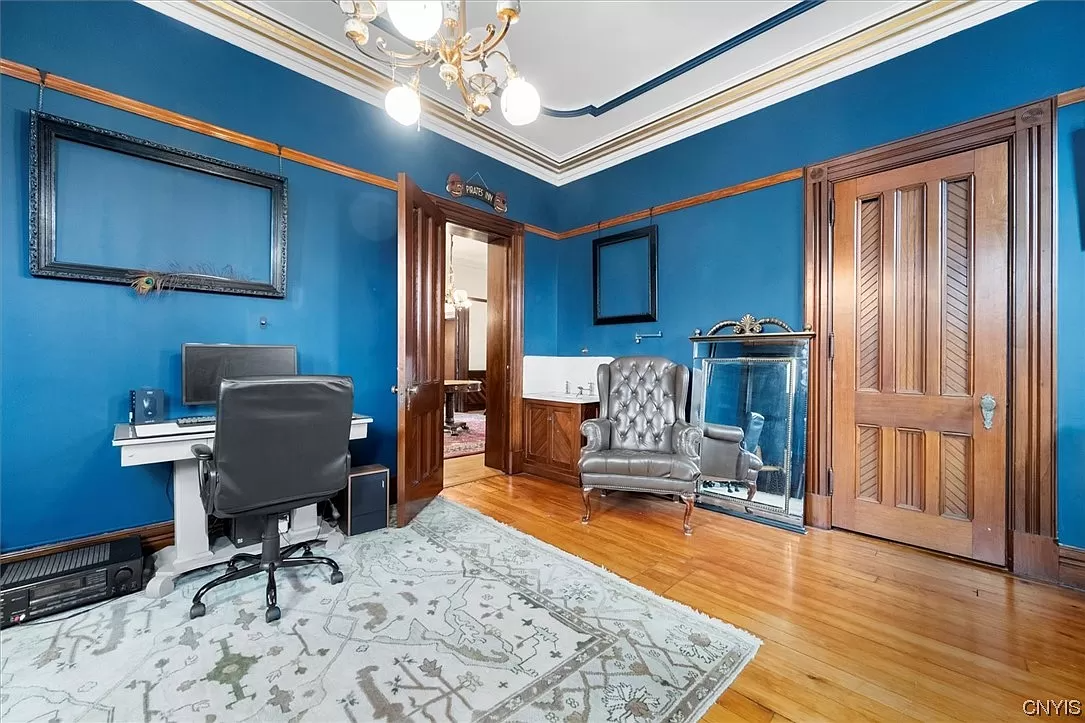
x=308, y=552
x=198, y=610
x=272, y=614
x=337, y=577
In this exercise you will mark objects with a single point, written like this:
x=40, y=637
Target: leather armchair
x=641, y=441
x=728, y=453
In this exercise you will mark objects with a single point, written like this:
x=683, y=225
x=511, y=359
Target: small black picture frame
x=640, y=270
x=47, y=129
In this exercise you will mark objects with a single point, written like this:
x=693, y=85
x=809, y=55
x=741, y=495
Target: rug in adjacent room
x=453, y=618
x=467, y=441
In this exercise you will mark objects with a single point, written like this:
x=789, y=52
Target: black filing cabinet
x=363, y=505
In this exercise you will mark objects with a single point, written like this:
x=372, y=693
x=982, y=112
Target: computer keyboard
x=186, y=425
x=192, y=421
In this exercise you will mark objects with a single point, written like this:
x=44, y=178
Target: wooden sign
x=494, y=199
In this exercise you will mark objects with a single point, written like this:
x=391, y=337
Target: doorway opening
x=466, y=326
x=423, y=221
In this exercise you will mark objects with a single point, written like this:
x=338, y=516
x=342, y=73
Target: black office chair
x=280, y=443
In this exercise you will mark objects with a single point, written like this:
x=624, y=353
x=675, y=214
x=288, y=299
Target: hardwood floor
x=854, y=628
x=460, y=470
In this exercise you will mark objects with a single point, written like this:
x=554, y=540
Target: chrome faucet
x=590, y=390
x=567, y=391
x=579, y=390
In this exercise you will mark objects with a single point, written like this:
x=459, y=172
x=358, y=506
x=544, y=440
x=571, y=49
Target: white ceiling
x=580, y=52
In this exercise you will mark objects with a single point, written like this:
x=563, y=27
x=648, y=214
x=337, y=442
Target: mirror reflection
x=753, y=388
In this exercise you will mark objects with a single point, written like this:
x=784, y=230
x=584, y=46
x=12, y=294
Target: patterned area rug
x=469, y=441
x=453, y=618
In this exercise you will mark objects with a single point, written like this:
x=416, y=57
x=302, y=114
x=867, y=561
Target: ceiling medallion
x=438, y=31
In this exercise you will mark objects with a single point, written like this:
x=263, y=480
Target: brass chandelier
x=475, y=60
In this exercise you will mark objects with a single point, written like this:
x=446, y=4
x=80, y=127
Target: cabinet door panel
x=536, y=433
x=565, y=442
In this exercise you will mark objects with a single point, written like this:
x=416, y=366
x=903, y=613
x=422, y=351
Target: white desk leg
x=306, y=525
x=190, y=549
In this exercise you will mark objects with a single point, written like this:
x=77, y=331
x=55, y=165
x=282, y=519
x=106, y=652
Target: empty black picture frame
x=47, y=129
x=649, y=313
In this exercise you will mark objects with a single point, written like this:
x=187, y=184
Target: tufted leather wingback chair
x=729, y=453
x=641, y=441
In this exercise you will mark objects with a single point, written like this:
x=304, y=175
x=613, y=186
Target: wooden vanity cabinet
x=552, y=438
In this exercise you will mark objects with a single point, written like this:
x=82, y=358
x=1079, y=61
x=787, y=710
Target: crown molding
x=887, y=39
x=272, y=38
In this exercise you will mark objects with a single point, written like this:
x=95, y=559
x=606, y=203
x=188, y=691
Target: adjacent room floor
x=854, y=628
x=468, y=441
x=470, y=468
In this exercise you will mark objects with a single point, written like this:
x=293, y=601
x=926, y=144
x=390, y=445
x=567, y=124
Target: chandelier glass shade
x=476, y=61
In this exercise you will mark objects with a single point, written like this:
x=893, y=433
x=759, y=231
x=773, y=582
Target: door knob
x=987, y=409
x=395, y=389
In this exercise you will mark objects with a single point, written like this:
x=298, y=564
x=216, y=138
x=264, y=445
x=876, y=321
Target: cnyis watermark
x=1065, y=708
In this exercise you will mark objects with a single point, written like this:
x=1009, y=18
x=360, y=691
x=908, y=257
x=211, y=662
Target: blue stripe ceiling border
x=595, y=111
x=743, y=37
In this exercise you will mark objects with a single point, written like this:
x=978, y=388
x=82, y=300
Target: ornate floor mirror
x=748, y=377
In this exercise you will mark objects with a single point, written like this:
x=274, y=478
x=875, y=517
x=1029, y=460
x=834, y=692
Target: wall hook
x=638, y=336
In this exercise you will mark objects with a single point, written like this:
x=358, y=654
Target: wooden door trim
x=1031, y=484
x=512, y=332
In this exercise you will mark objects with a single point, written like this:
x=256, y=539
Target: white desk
x=191, y=549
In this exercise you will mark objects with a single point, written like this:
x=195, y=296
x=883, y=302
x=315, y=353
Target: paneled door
x=420, y=391
x=920, y=334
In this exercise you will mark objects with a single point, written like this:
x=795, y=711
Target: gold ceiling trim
x=885, y=30
x=290, y=39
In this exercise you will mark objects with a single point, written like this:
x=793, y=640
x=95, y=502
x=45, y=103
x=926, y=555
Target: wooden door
x=536, y=432
x=420, y=441
x=498, y=354
x=920, y=330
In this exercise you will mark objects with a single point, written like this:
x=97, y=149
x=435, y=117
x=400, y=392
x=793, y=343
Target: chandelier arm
x=367, y=17
x=490, y=42
x=507, y=59
x=414, y=60
x=464, y=92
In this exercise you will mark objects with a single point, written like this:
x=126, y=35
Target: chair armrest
x=749, y=464
x=724, y=432
x=687, y=439
x=598, y=433
x=202, y=452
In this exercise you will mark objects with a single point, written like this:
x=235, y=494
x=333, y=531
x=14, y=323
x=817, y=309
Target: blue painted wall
x=70, y=351
x=745, y=253
x=1071, y=314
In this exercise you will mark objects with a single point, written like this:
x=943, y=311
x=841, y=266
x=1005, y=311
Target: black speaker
x=148, y=406
x=245, y=531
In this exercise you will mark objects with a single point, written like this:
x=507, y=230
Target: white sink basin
x=562, y=397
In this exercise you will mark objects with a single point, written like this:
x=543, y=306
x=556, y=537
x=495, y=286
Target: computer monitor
x=204, y=366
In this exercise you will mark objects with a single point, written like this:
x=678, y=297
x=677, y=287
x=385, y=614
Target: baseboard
x=154, y=537
x=1035, y=557
x=819, y=511
x=1072, y=566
